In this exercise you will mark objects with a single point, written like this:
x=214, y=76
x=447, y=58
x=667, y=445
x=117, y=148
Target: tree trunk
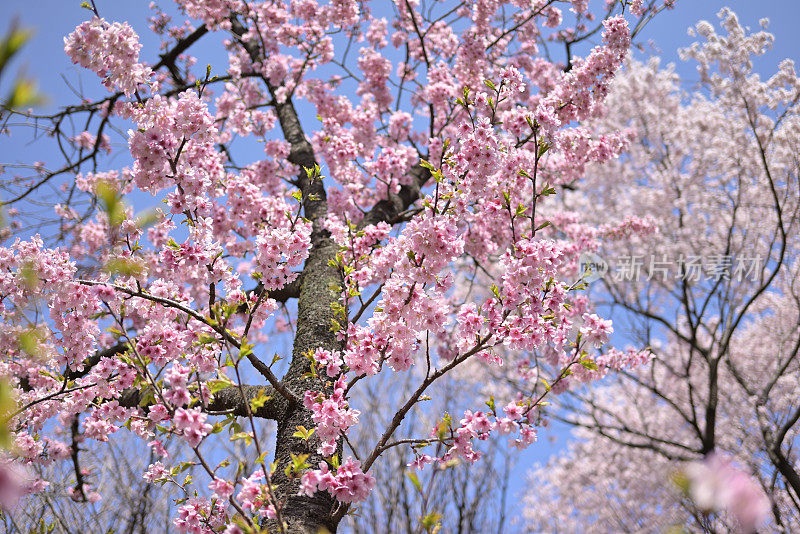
x=302, y=514
x=307, y=515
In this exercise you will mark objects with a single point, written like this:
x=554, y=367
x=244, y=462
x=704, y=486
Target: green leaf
x=443, y=426
x=680, y=479
x=146, y=218
x=335, y=326
x=543, y=148
x=259, y=400
x=297, y=465
x=7, y=407
x=147, y=397
x=412, y=476
x=547, y=190
x=246, y=436
x=183, y=466
x=29, y=342
x=29, y=275
x=546, y=384
x=337, y=309
x=13, y=41
x=312, y=172
x=24, y=94
x=110, y=202
x=431, y=521
x=245, y=350
x=224, y=463
x=125, y=267
x=299, y=461
x=303, y=433
x=218, y=427
x=495, y=290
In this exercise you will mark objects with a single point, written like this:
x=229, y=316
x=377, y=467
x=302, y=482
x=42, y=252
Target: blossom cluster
x=332, y=415
x=348, y=484
x=716, y=484
x=111, y=51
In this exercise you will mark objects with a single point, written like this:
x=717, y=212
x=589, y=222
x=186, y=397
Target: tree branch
x=388, y=210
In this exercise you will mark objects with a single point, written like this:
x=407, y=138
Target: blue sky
x=44, y=60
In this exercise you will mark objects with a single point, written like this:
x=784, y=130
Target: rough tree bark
x=302, y=514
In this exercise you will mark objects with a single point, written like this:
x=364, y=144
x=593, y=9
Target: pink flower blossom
x=111, y=51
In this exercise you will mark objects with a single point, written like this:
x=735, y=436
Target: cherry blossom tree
x=704, y=437
x=397, y=235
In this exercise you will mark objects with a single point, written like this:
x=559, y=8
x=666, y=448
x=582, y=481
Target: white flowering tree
x=714, y=173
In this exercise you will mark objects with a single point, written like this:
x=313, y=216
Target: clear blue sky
x=44, y=60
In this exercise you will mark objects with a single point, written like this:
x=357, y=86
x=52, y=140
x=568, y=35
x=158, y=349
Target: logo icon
x=591, y=267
